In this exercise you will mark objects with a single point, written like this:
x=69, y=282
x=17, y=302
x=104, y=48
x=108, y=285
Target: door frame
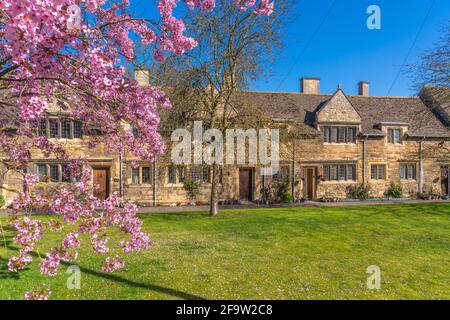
x=448, y=178
x=108, y=178
x=306, y=181
x=251, y=183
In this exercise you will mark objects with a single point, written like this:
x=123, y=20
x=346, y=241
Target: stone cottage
x=341, y=140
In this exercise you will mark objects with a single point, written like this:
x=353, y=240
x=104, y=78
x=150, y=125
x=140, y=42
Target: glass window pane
x=54, y=172
x=65, y=129
x=403, y=171
x=54, y=128
x=146, y=175
x=410, y=172
x=333, y=135
x=333, y=172
x=194, y=173
x=381, y=172
x=390, y=136
x=326, y=172
x=135, y=175
x=65, y=173
x=326, y=134
x=42, y=172
x=373, y=172
x=341, y=135
x=77, y=129
x=397, y=136
x=205, y=174
x=171, y=174
x=350, y=172
x=42, y=130
x=342, y=174
x=181, y=174
x=350, y=135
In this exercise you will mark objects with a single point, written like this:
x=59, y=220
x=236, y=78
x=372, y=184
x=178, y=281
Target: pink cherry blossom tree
x=70, y=54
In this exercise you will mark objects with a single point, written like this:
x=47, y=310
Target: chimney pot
x=363, y=88
x=310, y=85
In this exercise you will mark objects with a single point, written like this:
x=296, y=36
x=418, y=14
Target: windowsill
x=136, y=185
x=338, y=181
x=174, y=185
x=339, y=143
x=67, y=139
x=408, y=180
x=377, y=180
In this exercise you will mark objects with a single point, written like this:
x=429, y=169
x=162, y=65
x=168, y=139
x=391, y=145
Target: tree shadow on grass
x=112, y=277
x=5, y=240
x=4, y=271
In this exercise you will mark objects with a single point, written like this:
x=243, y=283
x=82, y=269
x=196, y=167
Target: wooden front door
x=101, y=178
x=445, y=183
x=245, y=184
x=310, y=183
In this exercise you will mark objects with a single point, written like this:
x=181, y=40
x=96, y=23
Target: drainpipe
x=421, y=165
x=154, y=182
x=263, y=177
x=364, y=160
x=293, y=171
x=120, y=175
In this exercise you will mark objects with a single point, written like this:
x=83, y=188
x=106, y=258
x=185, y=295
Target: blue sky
x=345, y=51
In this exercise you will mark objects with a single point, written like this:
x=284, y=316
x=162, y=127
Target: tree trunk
x=213, y=205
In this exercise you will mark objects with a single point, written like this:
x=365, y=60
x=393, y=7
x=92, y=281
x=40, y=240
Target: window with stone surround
x=199, y=173
x=54, y=172
x=141, y=175
x=394, y=136
x=283, y=175
x=60, y=128
x=339, y=172
x=378, y=172
x=339, y=134
x=176, y=174
x=408, y=171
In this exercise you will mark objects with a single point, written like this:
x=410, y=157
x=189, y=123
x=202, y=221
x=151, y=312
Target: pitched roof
x=438, y=100
x=299, y=107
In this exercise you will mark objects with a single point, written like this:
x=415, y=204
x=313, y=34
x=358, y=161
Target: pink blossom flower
x=42, y=293
x=112, y=264
x=50, y=265
x=71, y=241
x=32, y=108
x=30, y=179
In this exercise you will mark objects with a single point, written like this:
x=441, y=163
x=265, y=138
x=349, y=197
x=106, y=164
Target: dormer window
x=394, y=136
x=339, y=134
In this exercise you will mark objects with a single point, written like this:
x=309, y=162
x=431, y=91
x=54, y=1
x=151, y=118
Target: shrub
x=358, y=191
x=267, y=193
x=191, y=188
x=394, y=191
x=288, y=198
x=281, y=190
x=2, y=201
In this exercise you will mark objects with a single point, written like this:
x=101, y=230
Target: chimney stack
x=310, y=85
x=142, y=76
x=363, y=88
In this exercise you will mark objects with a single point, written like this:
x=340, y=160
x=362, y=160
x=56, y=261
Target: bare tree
x=234, y=48
x=433, y=68
x=431, y=77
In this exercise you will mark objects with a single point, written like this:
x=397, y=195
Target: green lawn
x=289, y=253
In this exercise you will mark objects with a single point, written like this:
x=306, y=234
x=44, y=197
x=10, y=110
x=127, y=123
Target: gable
x=338, y=109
